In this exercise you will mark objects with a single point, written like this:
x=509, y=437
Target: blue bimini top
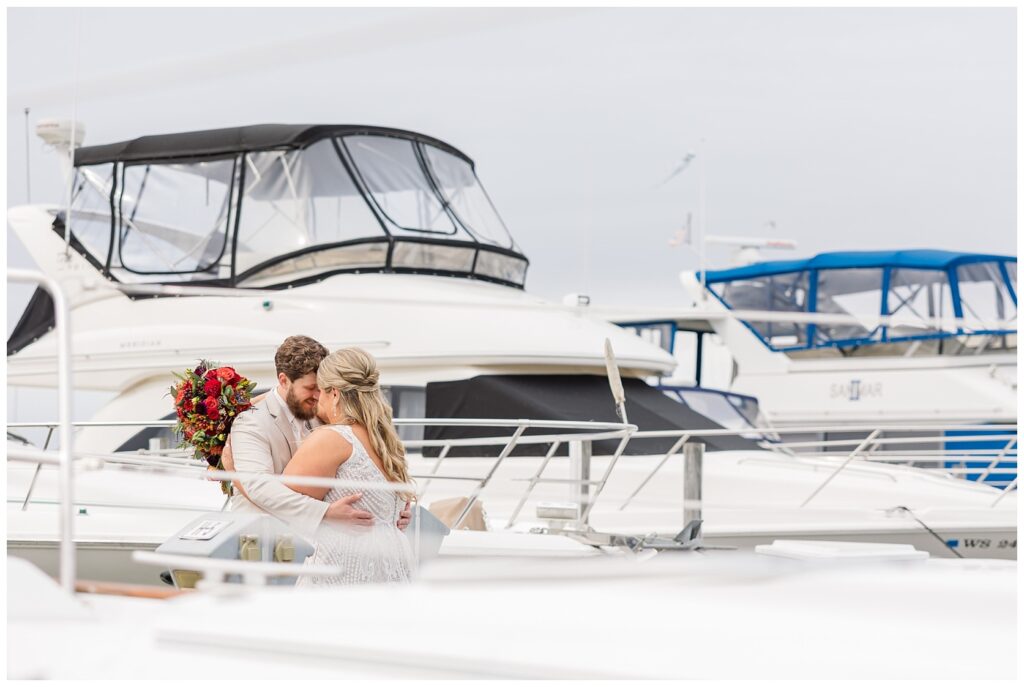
x=913, y=259
x=978, y=290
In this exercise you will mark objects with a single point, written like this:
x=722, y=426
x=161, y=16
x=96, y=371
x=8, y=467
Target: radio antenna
x=28, y=166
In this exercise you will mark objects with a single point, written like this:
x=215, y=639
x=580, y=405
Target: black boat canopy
x=239, y=139
x=282, y=205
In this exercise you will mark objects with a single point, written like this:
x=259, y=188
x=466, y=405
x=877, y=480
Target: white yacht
x=873, y=338
x=219, y=244
x=914, y=371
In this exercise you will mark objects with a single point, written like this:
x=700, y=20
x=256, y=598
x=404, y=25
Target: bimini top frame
x=276, y=206
x=976, y=293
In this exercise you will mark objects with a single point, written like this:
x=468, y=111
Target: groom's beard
x=299, y=410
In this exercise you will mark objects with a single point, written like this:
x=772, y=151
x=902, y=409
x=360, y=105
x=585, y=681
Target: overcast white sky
x=851, y=129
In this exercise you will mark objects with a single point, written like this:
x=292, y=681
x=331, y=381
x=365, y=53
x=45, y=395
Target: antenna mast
x=701, y=207
x=28, y=167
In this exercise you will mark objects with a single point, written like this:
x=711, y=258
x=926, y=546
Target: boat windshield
x=937, y=302
x=281, y=217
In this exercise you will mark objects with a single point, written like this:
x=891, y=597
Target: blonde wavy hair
x=353, y=372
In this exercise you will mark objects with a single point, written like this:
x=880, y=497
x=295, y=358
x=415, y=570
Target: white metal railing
x=871, y=448
x=865, y=449
x=62, y=332
x=575, y=432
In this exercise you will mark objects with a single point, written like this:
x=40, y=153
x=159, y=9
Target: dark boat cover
x=561, y=397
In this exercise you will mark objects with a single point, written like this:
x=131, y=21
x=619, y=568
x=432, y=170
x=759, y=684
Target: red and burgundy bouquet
x=207, y=400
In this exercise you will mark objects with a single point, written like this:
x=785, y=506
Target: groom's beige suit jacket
x=262, y=441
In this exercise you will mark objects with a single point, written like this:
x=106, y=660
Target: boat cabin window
x=464, y=194
x=939, y=303
x=776, y=293
x=731, y=411
x=90, y=209
x=295, y=201
x=985, y=296
x=918, y=298
x=173, y=219
x=399, y=186
x=848, y=292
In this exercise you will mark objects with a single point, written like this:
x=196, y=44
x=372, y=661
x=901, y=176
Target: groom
x=264, y=438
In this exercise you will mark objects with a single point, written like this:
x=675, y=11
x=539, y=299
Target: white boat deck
x=715, y=615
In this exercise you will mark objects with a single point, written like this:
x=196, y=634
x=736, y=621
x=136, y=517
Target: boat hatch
x=272, y=206
x=919, y=289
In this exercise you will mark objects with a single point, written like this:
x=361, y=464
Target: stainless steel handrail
x=62, y=332
x=190, y=468
x=864, y=449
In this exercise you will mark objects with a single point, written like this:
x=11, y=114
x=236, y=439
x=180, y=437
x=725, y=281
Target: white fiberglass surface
x=612, y=617
x=751, y=488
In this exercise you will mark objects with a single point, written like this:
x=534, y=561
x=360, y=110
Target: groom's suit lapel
x=281, y=422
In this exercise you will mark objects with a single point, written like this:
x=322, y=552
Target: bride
x=359, y=443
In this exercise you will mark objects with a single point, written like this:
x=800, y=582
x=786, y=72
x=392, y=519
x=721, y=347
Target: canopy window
x=465, y=196
x=776, y=293
x=398, y=184
x=985, y=297
x=173, y=219
x=90, y=210
x=918, y=300
x=848, y=292
x=298, y=200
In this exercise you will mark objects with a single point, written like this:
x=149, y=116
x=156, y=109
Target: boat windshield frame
x=374, y=244
x=803, y=287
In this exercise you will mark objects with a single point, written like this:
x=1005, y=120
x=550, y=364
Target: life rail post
x=62, y=332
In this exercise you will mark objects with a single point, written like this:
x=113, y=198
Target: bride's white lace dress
x=378, y=553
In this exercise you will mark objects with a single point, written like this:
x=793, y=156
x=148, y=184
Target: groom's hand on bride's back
x=343, y=510
x=404, y=517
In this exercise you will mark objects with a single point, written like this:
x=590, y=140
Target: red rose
x=226, y=374
x=212, y=388
x=212, y=410
x=211, y=374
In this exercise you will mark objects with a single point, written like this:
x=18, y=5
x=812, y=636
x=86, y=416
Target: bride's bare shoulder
x=326, y=438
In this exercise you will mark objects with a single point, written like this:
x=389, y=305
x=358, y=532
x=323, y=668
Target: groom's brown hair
x=298, y=356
